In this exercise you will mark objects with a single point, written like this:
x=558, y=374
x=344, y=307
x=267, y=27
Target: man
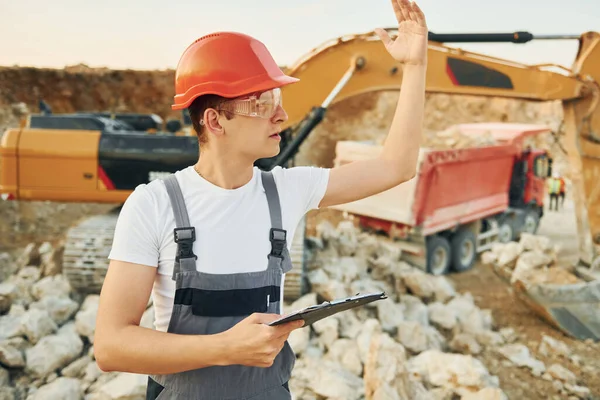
x=553, y=190
x=562, y=190
x=211, y=242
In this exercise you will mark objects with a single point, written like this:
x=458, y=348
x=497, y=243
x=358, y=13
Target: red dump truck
x=461, y=201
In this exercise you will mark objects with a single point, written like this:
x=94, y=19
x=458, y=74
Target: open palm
x=410, y=46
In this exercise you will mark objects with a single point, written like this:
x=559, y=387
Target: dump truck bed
x=451, y=187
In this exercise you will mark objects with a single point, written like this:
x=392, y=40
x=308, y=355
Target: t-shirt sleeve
x=136, y=234
x=304, y=186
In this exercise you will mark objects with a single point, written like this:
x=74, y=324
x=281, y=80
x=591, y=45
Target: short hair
x=196, y=112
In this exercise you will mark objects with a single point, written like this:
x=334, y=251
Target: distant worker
x=562, y=190
x=553, y=191
x=211, y=243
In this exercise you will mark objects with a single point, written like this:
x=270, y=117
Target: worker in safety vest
x=553, y=184
x=211, y=242
x=562, y=190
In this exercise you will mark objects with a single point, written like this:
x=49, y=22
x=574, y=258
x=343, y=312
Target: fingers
x=419, y=15
x=384, y=36
x=400, y=16
x=285, y=329
x=258, y=318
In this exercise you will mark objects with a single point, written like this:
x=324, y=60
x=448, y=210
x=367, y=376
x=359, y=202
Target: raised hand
x=410, y=47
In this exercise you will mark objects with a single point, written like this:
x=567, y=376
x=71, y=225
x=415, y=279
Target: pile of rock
x=47, y=336
x=425, y=341
x=532, y=260
x=420, y=342
x=453, y=138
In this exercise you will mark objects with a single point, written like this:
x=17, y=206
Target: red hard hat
x=227, y=64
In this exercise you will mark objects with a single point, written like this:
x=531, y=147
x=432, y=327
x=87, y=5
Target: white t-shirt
x=232, y=226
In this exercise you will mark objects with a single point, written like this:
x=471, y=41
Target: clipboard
x=315, y=313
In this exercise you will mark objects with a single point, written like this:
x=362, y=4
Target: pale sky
x=152, y=34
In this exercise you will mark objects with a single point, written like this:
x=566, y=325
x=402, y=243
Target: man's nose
x=280, y=115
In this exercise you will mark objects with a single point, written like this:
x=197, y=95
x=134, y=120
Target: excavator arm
x=352, y=65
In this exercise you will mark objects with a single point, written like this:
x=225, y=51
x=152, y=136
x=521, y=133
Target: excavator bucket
x=574, y=309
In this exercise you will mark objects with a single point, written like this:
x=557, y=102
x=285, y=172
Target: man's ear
x=211, y=122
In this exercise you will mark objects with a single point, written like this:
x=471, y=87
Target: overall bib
x=212, y=303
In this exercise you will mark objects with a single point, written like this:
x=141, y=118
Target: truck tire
x=531, y=222
x=506, y=230
x=464, y=250
x=439, y=255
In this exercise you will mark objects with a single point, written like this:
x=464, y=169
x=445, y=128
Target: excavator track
x=295, y=282
x=87, y=246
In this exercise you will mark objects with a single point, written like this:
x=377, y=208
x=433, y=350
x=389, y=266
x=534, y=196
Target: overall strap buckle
x=185, y=237
x=278, y=241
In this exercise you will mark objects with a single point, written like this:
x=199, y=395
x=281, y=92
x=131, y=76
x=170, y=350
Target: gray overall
x=212, y=303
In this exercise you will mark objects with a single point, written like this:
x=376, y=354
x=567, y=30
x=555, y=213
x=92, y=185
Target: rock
x=519, y=355
x=345, y=269
x=10, y=326
x=92, y=372
x=350, y=325
x=452, y=371
x=52, y=352
x=465, y=343
x=550, y=346
x=60, y=309
x=345, y=352
x=363, y=340
x=8, y=292
x=347, y=238
x=508, y=334
x=489, y=338
x=428, y=287
x=335, y=382
x=125, y=386
x=4, y=377
x=390, y=315
x=51, y=260
x=531, y=242
x=580, y=391
x=298, y=340
x=442, y=316
x=327, y=329
x=36, y=324
x=561, y=373
x=11, y=356
x=527, y=264
x=418, y=338
x=326, y=288
x=470, y=318
x=7, y=393
x=415, y=310
x=508, y=254
x=56, y=285
x=486, y=394
x=386, y=376
x=30, y=255
x=443, y=394
x=76, y=368
x=61, y=388
x=85, y=319
x=489, y=258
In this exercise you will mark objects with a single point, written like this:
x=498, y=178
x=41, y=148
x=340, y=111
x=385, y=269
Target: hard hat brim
x=232, y=89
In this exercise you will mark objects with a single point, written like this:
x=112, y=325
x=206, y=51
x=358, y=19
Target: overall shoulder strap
x=183, y=234
x=277, y=234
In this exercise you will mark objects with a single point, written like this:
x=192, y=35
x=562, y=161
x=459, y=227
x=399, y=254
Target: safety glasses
x=263, y=105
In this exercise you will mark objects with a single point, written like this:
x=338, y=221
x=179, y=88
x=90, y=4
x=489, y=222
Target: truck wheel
x=464, y=250
x=506, y=232
x=531, y=222
x=438, y=255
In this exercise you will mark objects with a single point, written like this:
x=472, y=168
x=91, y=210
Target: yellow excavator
x=105, y=166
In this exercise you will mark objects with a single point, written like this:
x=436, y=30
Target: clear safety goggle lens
x=263, y=106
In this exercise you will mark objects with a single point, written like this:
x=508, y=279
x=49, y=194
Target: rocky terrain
x=427, y=340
